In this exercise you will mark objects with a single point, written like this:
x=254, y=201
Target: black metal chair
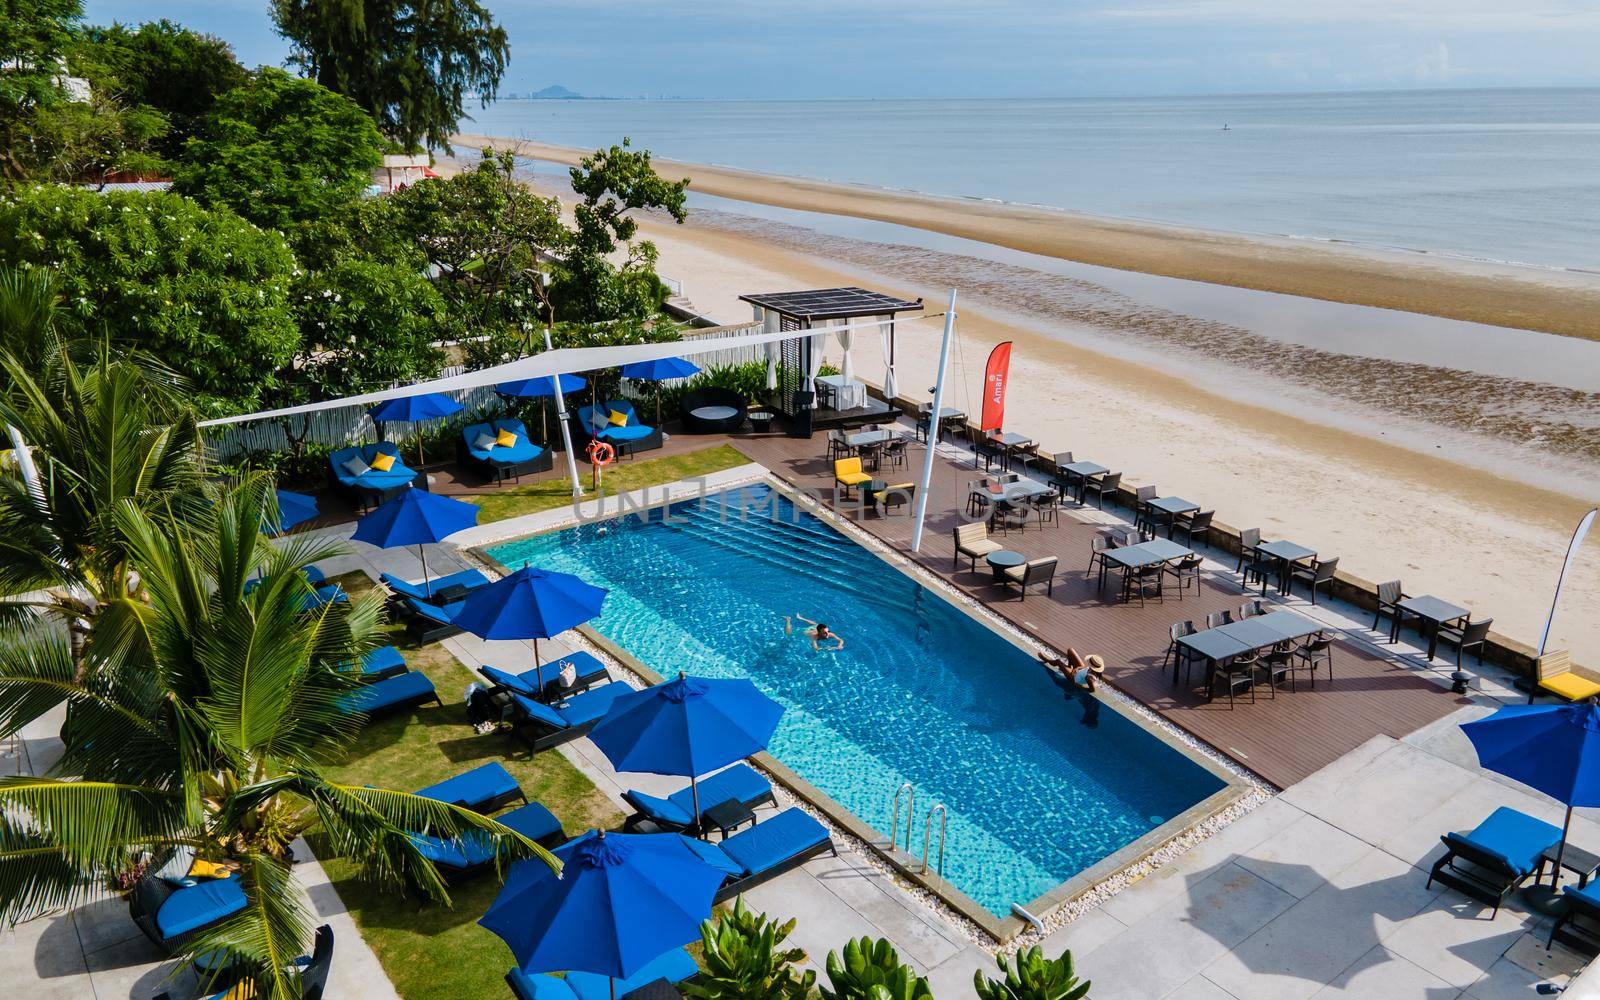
x=1140, y=580
x=1249, y=538
x=1197, y=523
x=1183, y=571
x=894, y=451
x=837, y=446
x=1318, y=574
x=1044, y=507
x=989, y=449
x=1008, y=515
x=1102, y=487
x=1470, y=635
x=1145, y=517
x=1239, y=673
x=1314, y=651
x=1390, y=595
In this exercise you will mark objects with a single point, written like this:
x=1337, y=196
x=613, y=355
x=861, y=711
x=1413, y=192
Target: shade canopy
x=535, y=387
x=689, y=726
x=293, y=509
x=415, y=517
x=1552, y=748
x=530, y=604
x=660, y=368
x=620, y=902
x=411, y=409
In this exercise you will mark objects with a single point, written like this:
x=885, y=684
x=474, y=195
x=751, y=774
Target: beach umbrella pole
x=538, y=668
x=422, y=553
x=694, y=792
x=1561, y=851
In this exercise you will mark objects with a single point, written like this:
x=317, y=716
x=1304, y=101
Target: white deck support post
x=566, y=432
x=933, y=425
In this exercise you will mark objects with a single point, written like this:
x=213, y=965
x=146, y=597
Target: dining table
x=1080, y=473
x=1285, y=554
x=1225, y=642
x=1173, y=508
x=1436, y=612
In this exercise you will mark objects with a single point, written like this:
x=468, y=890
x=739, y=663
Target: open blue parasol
x=415, y=517
x=293, y=509
x=414, y=410
x=659, y=370
x=530, y=604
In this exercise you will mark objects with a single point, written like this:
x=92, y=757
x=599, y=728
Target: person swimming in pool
x=1081, y=676
x=818, y=633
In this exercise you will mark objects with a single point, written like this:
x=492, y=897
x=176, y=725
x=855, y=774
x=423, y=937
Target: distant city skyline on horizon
x=715, y=49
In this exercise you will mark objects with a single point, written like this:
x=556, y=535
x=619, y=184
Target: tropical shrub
x=871, y=970
x=365, y=324
x=743, y=959
x=1031, y=976
x=204, y=290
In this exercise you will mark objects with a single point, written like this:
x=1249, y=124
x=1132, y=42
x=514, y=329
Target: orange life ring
x=601, y=453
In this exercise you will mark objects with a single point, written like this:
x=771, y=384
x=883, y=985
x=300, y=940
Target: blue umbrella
x=415, y=517
x=530, y=604
x=689, y=726
x=1552, y=748
x=293, y=509
x=534, y=387
x=660, y=368
x=620, y=902
x=415, y=409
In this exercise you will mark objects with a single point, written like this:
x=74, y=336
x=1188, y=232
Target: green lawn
x=435, y=951
x=619, y=478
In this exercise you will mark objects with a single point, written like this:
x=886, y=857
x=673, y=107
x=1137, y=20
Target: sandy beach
x=1549, y=301
x=1439, y=521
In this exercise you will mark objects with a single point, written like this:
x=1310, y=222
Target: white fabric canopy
x=886, y=340
x=567, y=360
x=848, y=367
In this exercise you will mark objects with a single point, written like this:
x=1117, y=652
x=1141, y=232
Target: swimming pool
x=922, y=691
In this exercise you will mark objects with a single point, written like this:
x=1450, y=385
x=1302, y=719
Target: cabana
x=793, y=365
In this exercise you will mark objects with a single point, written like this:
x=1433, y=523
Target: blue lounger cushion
x=533, y=821
x=598, y=420
x=1588, y=896
x=523, y=451
x=580, y=710
x=740, y=781
x=675, y=966
x=198, y=905
x=383, y=660
x=398, y=475
x=773, y=841
x=379, y=695
x=330, y=593
x=587, y=667
x=469, y=579
x=664, y=812
x=445, y=615
x=1511, y=837
x=484, y=783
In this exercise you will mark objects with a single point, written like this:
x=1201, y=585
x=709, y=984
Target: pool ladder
x=909, y=792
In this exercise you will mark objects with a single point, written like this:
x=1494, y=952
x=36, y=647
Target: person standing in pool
x=818, y=633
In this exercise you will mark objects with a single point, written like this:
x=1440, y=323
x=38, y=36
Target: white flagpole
x=566, y=432
x=933, y=426
x=1572, y=556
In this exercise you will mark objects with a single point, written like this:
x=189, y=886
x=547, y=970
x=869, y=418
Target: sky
x=994, y=48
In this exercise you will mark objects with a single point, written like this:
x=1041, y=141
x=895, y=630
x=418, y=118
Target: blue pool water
x=920, y=693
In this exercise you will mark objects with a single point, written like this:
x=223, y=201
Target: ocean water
x=1502, y=175
x=921, y=692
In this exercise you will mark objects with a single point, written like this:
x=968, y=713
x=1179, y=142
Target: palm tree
x=202, y=724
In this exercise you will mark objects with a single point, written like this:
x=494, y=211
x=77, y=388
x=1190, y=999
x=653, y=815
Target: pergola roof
x=831, y=303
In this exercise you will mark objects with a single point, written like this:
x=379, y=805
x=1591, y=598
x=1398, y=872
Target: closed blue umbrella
x=1552, y=748
x=415, y=409
x=659, y=369
x=415, y=517
x=689, y=726
x=293, y=509
x=530, y=604
x=620, y=902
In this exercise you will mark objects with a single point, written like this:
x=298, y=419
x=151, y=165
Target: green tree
x=366, y=324
x=203, y=289
x=86, y=141
x=162, y=66
x=865, y=969
x=1032, y=977
x=281, y=151
x=204, y=731
x=744, y=960
x=410, y=66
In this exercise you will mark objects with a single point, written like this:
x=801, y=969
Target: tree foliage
x=411, y=66
x=87, y=141
x=366, y=324
x=281, y=151
x=202, y=289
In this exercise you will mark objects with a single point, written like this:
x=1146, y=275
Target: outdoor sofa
x=676, y=811
x=1496, y=857
x=498, y=462
x=169, y=911
x=675, y=966
x=713, y=410
x=587, y=671
x=390, y=695
x=765, y=851
x=373, y=486
x=595, y=423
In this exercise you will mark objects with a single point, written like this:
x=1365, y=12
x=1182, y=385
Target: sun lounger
x=1578, y=903
x=589, y=671
x=498, y=461
x=1499, y=854
x=330, y=593
x=473, y=852
x=430, y=622
x=540, y=726
x=382, y=663
x=168, y=913
x=440, y=590
x=675, y=966
x=372, y=486
x=676, y=811
x=595, y=422
x=765, y=851
x=482, y=789
x=313, y=576
x=395, y=693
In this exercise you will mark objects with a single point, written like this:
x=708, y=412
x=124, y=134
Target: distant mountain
x=556, y=92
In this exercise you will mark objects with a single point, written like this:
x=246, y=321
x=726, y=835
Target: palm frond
x=36, y=671
x=269, y=934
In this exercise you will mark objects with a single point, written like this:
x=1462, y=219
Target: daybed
x=596, y=422
x=352, y=473
x=713, y=410
x=480, y=448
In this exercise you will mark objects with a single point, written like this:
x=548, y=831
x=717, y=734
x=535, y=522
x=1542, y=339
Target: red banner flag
x=994, y=388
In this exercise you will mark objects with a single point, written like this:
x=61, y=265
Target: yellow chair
x=847, y=473
x=1557, y=674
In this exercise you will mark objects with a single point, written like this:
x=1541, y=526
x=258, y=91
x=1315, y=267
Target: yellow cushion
x=208, y=869
x=505, y=439
x=1570, y=686
x=618, y=418
x=243, y=990
x=845, y=466
x=383, y=463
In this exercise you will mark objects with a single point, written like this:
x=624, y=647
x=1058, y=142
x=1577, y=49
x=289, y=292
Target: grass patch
x=436, y=951
x=619, y=478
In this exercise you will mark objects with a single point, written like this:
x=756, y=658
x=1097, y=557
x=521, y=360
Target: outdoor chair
x=1318, y=574
x=1390, y=595
x=1183, y=572
x=1252, y=608
x=1249, y=559
x=837, y=446
x=330, y=593
x=990, y=449
x=675, y=813
x=483, y=789
x=1276, y=664
x=1145, y=517
x=538, y=726
x=675, y=966
x=847, y=473
x=1555, y=672
x=1197, y=523
x=1143, y=582
x=440, y=589
x=1097, y=556
x=894, y=451
x=313, y=575
x=381, y=697
x=1578, y=902
x=601, y=423
x=1044, y=507
x=1215, y=618
x=1470, y=635
x=1010, y=515
x=586, y=673
x=379, y=664
x=355, y=473
x=169, y=911
x=773, y=846
x=1240, y=673
x=1102, y=486
x=427, y=622
x=979, y=496
x=1032, y=573
x=973, y=541
x=1177, y=653
x=474, y=851
x=1313, y=652
x=1496, y=857
x=713, y=410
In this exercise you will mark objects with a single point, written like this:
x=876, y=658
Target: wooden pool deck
x=1282, y=739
